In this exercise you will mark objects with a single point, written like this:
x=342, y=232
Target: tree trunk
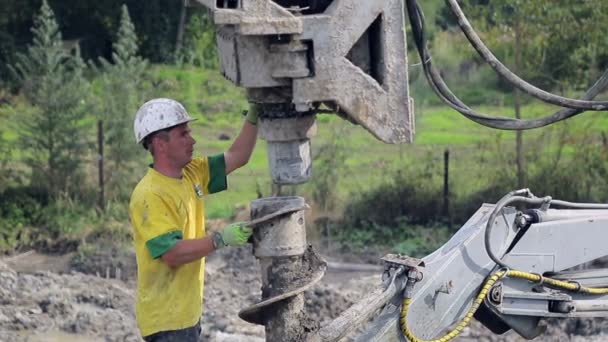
x=180, y=28
x=594, y=67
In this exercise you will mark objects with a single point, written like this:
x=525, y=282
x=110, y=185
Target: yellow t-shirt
x=164, y=210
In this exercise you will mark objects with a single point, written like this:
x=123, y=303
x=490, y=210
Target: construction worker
x=168, y=217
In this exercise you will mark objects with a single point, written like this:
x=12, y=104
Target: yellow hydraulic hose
x=569, y=286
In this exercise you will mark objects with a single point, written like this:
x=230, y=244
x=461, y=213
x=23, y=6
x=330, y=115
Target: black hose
x=574, y=205
x=442, y=90
x=503, y=71
x=511, y=197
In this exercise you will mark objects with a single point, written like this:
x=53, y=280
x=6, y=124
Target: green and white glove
x=252, y=114
x=235, y=234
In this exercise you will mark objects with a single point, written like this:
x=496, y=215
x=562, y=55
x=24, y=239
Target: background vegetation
x=66, y=68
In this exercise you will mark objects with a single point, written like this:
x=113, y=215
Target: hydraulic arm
x=537, y=251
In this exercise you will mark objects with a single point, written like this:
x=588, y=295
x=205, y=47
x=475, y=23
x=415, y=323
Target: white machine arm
x=536, y=248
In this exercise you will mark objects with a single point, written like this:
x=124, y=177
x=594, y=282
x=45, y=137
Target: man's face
x=180, y=145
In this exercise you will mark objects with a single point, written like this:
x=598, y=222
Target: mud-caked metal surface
x=281, y=235
x=289, y=150
x=350, y=57
x=374, y=31
x=288, y=266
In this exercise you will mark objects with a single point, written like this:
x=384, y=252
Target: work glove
x=251, y=115
x=235, y=234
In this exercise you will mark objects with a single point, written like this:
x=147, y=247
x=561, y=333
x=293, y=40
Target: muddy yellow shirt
x=164, y=210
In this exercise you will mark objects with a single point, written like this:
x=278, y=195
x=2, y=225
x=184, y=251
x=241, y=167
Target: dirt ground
x=53, y=298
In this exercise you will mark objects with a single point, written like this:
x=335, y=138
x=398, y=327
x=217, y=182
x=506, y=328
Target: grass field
x=218, y=105
x=369, y=161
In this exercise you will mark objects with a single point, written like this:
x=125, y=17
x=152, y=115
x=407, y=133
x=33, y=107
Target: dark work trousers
x=192, y=334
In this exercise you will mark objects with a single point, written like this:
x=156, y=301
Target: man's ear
x=157, y=144
x=153, y=145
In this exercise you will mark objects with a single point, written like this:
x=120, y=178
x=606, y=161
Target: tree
x=536, y=38
x=54, y=136
x=15, y=23
x=564, y=45
x=5, y=171
x=92, y=24
x=199, y=41
x=123, y=93
x=181, y=27
x=505, y=20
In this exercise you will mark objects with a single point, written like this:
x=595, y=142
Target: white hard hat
x=158, y=114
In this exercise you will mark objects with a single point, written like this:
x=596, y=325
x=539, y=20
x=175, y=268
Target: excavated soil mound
x=45, y=306
x=72, y=306
x=66, y=305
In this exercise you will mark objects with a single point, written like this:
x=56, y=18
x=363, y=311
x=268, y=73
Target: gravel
x=74, y=306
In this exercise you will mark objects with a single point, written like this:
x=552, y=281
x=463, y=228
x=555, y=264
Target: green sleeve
x=163, y=243
x=217, y=174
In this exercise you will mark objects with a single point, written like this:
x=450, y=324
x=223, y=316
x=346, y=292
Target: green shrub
x=405, y=212
x=110, y=230
x=404, y=238
x=419, y=241
x=30, y=219
x=19, y=211
x=415, y=195
x=402, y=215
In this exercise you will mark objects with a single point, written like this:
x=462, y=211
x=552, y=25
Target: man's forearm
x=186, y=251
x=241, y=149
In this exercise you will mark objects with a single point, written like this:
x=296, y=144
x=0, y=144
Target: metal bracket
x=351, y=58
x=402, y=260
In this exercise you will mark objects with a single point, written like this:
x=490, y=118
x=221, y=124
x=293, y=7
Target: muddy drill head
x=299, y=58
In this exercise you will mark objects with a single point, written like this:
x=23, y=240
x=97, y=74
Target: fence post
x=446, y=186
x=100, y=139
